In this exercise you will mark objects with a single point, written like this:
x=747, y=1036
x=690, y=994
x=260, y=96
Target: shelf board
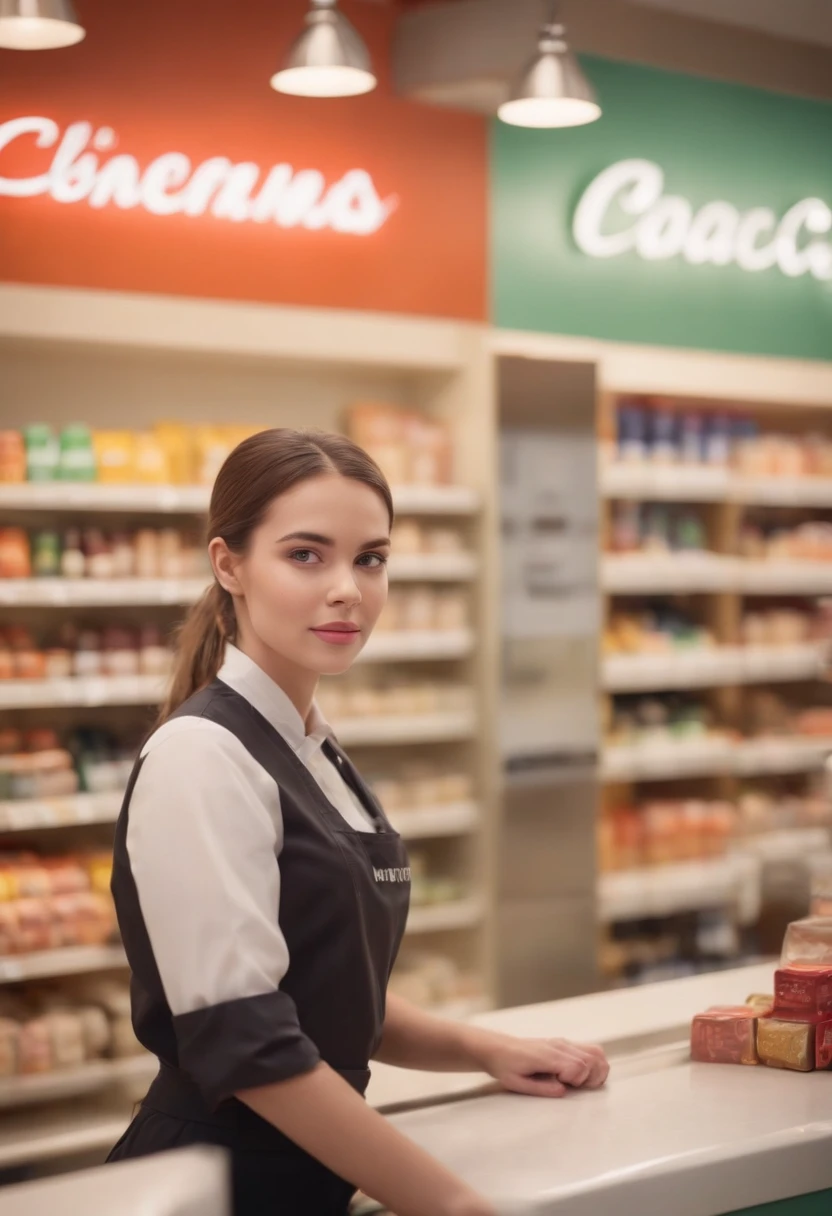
x=88, y=1078
x=433, y=567
x=683, y=887
x=681, y=573
x=695, y=483
x=78, y=691
x=193, y=500
x=454, y=819
x=711, y=667
x=440, y=918
x=406, y=728
x=25, y=814
x=708, y=757
x=424, y=644
x=638, y=573
x=50, y=964
x=93, y=593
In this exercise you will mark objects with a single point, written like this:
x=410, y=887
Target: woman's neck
x=298, y=683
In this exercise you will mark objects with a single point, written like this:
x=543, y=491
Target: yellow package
x=152, y=465
x=115, y=456
x=177, y=441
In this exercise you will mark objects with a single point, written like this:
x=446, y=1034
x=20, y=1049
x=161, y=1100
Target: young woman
x=261, y=892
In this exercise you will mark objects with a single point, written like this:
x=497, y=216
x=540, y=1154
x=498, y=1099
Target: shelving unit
x=129, y=360
x=714, y=667
x=66, y=1083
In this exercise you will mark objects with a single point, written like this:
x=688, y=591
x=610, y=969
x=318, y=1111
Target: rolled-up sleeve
x=203, y=840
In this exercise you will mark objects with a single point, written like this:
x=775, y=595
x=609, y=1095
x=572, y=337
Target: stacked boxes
x=792, y=1029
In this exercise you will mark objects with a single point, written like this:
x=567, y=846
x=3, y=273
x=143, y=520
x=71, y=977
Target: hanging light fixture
x=551, y=91
x=38, y=25
x=329, y=59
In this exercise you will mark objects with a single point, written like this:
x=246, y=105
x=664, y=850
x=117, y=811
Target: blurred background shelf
x=701, y=483
x=50, y=964
x=74, y=810
x=82, y=691
x=75, y=496
x=426, y=645
x=415, y=728
x=713, y=757
x=442, y=918
x=77, y=1082
x=688, y=886
x=709, y=667
x=454, y=819
x=99, y=593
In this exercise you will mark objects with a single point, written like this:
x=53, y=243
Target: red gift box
x=724, y=1036
x=803, y=993
x=823, y=1045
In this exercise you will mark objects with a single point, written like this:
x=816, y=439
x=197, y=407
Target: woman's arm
x=544, y=1067
x=320, y=1112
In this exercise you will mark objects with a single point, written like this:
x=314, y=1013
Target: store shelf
x=711, y=757
x=432, y=567
x=94, y=593
x=683, y=573
x=424, y=644
x=50, y=964
x=708, y=668
x=686, y=887
x=785, y=578
x=454, y=819
x=401, y=728
x=24, y=814
x=95, y=496
x=666, y=483
x=50, y=1132
x=76, y=1082
x=440, y=918
x=688, y=572
x=91, y=691
x=694, y=483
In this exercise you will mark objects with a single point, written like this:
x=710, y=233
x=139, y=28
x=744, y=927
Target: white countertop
x=665, y=1138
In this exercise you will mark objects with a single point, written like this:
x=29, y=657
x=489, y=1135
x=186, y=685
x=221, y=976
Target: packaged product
x=808, y=942
x=763, y=1002
x=35, y=1047
x=782, y=1044
x=15, y=560
x=76, y=460
x=9, y=1047
x=66, y=1038
x=12, y=457
x=725, y=1038
x=177, y=443
x=151, y=464
x=804, y=992
x=380, y=430
x=115, y=455
x=41, y=452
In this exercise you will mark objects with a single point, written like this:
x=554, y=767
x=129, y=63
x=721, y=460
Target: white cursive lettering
x=666, y=226
x=171, y=184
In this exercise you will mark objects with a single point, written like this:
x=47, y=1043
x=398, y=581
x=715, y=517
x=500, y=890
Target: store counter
x=665, y=1137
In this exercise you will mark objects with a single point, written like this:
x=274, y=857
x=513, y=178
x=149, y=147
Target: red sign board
x=155, y=157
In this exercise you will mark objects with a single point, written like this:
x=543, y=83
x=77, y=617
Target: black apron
x=343, y=908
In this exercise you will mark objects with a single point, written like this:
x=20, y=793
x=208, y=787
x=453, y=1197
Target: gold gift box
x=786, y=1044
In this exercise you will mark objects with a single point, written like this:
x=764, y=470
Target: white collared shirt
x=204, y=837
x=306, y=740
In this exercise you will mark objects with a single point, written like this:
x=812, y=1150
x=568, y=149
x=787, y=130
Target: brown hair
x=258, y=471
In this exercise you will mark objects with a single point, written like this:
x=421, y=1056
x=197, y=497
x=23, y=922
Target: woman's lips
x=338, y=637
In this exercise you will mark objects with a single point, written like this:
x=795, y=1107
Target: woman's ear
x=224, y=564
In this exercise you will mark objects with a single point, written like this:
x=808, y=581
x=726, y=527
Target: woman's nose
x=345, y=589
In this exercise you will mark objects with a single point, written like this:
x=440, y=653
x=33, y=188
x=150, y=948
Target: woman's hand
x=544, y=1068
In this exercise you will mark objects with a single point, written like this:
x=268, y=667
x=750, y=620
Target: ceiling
x=807, y=21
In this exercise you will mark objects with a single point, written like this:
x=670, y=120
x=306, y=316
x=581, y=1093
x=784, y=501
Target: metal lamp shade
x=329, y=59
x=552, y=91
x=38, y=25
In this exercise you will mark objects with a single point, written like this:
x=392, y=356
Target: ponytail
x=200, y=647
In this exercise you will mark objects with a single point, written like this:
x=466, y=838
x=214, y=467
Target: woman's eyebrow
x=316, y=538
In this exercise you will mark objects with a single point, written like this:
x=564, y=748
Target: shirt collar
x=242, y=674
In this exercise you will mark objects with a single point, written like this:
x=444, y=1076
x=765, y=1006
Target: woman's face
x=314, y=580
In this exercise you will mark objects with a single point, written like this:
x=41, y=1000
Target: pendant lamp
x=552, y=90
x=38, y=25
x=329, y=59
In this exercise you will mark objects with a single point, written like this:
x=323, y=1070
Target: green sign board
x=693, y=213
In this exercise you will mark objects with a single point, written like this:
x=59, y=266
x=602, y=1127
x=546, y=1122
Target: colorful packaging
x=115, y=455
x=782, y=1044
x=803, y=993
x=76, y=461
x=41, y=453
x=726, y=1036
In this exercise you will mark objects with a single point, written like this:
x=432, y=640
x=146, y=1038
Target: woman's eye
x=372, y=561
x=305, y=556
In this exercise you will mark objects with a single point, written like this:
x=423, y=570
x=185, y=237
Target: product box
x=823, y=1045
x=726, y=1035
x=782, y=1044
x=803, y=993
